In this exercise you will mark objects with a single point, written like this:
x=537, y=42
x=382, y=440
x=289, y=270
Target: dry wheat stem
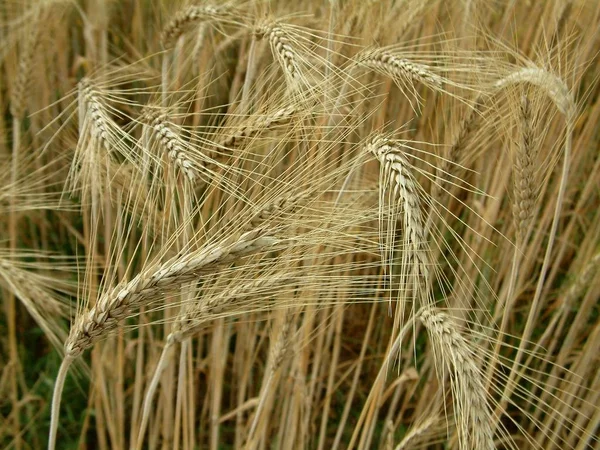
x=474, y=417
x=193, y=318
x=392, y=353
x=277, y=355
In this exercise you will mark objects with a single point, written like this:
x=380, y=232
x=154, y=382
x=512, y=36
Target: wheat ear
x=454, y=155
x=416, y=433
x=394, y=66
x=91, y=106
x=559, y=93
x=283, y=51
x=275, y=208
x=398, y=178
x=525, y=191
x=474, y=417
x=174, y=146
x=189, y=16
x=259, y=125
x=399, y=68
x=19, y=91
x=111, y=308
x=115, y=305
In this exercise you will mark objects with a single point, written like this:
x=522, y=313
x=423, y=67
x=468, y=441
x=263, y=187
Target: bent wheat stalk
x=559, y=93
x=115, y=305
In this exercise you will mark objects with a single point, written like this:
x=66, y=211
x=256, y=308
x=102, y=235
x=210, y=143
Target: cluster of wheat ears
x=310, y=224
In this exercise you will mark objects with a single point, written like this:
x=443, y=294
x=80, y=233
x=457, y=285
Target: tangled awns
x=310, y=224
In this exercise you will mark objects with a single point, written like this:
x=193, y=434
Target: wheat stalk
x=474, y=417
x=278, y=352
x=556, y=89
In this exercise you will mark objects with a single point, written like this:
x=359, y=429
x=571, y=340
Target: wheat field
x=318, y=224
